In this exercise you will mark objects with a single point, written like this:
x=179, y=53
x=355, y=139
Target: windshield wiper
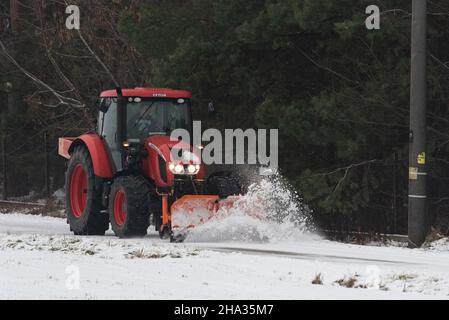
x=143, y=114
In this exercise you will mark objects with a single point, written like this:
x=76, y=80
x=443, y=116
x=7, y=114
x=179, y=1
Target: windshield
x=150, y=117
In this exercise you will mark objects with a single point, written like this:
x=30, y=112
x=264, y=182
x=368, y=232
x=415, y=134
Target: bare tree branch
x=62, y=99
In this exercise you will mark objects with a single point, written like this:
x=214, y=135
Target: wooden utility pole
x=418, y=167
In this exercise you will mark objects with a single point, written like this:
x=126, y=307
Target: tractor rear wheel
x=129, y=206
x=83, y=199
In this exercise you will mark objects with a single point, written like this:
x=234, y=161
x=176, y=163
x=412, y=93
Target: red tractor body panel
x=149, y=93
x=161, y=147
x=97, y=150
x=157, y=147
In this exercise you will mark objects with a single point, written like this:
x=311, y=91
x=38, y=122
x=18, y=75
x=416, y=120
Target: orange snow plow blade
x=194, y=210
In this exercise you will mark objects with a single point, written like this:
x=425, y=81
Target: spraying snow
x=269, y=212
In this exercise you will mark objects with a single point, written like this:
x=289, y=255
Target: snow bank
x=102, y=247
x=438, y=245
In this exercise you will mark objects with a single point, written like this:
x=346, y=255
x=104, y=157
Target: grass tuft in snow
x=158, y=254
x=404, y=276
x=347, y=282
x=318, y=279
x=434, y=236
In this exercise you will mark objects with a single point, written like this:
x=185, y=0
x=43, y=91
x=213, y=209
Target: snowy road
x=39, y=258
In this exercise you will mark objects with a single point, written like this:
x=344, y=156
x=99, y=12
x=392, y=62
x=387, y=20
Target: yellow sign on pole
x=422, y=158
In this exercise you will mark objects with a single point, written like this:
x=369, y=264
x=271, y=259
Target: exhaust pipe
x=121, y=125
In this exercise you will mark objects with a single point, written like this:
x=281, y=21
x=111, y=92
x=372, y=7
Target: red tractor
x=124, y=174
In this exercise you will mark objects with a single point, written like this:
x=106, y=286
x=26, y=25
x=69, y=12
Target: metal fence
x=30, y=166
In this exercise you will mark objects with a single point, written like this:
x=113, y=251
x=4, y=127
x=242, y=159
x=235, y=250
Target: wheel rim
x=78, y=191
x=119, y=208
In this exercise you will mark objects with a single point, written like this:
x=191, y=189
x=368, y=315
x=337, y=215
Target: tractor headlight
x=193, y=169
x=190, y=169
x=179, y=169
x=176, y=168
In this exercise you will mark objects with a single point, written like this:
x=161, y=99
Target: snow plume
x=269, y=212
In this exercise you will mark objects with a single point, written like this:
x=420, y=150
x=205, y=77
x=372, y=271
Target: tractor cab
x=128, y=119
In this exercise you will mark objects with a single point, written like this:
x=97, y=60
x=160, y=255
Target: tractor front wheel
x=129, y=211
x=223, y=185
x=83, y=199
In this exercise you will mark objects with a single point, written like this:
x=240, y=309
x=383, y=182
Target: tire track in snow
x=306, y=256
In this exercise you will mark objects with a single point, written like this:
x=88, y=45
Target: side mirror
x=211, y=108
x=103, y=105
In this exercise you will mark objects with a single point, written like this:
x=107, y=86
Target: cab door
x=107, y=128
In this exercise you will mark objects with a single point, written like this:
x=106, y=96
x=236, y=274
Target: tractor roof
x=149, y=93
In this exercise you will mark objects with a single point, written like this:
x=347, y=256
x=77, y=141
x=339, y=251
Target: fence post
x=47, y=169
x=13, y=13
x=395, y=193
x=5, y=175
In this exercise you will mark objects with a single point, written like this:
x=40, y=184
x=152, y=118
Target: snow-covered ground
x=40, y=259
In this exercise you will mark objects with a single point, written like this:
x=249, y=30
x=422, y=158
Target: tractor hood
x=163, y=146
x=156, y=165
